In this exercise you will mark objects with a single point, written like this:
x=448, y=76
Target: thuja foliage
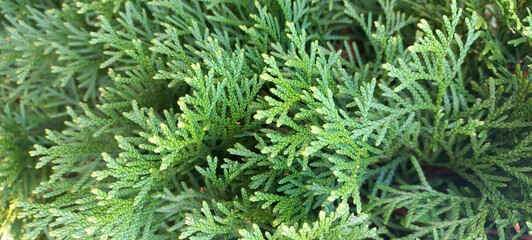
x=267, y=119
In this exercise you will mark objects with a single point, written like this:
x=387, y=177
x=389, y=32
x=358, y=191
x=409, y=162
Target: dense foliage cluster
x=266, y=119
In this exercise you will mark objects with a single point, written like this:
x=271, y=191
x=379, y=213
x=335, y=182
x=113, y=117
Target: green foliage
x=267, y=119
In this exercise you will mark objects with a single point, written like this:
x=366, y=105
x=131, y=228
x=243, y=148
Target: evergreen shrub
x=265, y=119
